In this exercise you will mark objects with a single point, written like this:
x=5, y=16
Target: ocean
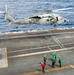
x=27, y=8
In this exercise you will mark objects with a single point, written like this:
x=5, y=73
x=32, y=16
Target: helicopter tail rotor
x=7, y=16
x=6, y=11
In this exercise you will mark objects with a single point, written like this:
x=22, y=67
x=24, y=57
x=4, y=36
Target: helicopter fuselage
x=42, y=19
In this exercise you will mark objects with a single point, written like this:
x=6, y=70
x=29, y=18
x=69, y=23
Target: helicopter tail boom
x=8, y=17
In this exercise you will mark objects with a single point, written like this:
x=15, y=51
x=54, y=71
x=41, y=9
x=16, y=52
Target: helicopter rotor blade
x=56, y=10
x=1, y=12
x=62, y=9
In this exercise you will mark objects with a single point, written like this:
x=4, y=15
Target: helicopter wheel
x=16, y=27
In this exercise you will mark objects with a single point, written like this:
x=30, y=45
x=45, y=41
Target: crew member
x=45, y=58
x=43, y=66
x=53, y=61
x=54, y=55
x=60, y=60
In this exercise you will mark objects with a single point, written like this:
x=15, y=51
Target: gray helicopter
x=46, y=18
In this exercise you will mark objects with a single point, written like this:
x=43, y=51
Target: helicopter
x=45, y=18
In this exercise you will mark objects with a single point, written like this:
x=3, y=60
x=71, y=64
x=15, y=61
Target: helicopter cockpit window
x=35, y=17
x=49, y=16
x=57, y=18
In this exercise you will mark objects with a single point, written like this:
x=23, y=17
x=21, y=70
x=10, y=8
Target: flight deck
x=25, y=51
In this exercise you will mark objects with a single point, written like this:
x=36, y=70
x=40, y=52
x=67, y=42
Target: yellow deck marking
x=6, y=58
x=3, y=60
x=48, y=70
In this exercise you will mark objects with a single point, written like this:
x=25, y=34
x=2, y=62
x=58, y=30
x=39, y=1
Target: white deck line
x=36, y=53
x=72, y=66
x=37, y=48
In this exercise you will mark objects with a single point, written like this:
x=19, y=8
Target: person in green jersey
x=45, y=58
x=54, y=55
x=53, y=61
x=60, y=60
